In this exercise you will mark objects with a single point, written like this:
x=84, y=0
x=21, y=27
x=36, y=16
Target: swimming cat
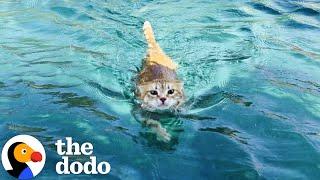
x=158, y=86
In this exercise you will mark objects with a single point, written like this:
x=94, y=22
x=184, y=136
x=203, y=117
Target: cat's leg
x=161, y=132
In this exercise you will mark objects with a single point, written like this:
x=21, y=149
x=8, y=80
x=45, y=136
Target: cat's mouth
x=163, y=104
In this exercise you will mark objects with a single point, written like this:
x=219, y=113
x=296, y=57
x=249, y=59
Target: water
x=251, y=71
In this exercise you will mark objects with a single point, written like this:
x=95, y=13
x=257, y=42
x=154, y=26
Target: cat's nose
x=163, y=99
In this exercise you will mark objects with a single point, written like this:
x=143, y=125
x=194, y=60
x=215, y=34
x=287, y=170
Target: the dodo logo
x=23, y=157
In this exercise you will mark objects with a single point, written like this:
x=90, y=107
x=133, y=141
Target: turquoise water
x=251, y=71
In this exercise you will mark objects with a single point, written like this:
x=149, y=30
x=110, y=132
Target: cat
x=158, y=85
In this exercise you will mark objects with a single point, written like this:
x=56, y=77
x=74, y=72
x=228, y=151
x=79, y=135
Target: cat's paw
x=163, y=135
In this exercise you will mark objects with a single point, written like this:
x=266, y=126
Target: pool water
x=251, y=71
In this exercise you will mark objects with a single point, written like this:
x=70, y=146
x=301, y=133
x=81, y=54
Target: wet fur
x=158, y=74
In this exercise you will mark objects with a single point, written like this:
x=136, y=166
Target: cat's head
x=160, y=95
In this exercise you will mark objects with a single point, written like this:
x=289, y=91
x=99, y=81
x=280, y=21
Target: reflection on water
x=250, y=69
x=24, y=129
x=210, y=99
x=226, y=131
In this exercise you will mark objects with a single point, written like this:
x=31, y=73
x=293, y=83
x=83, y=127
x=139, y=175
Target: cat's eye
x=153, y=92
x=171, y=91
